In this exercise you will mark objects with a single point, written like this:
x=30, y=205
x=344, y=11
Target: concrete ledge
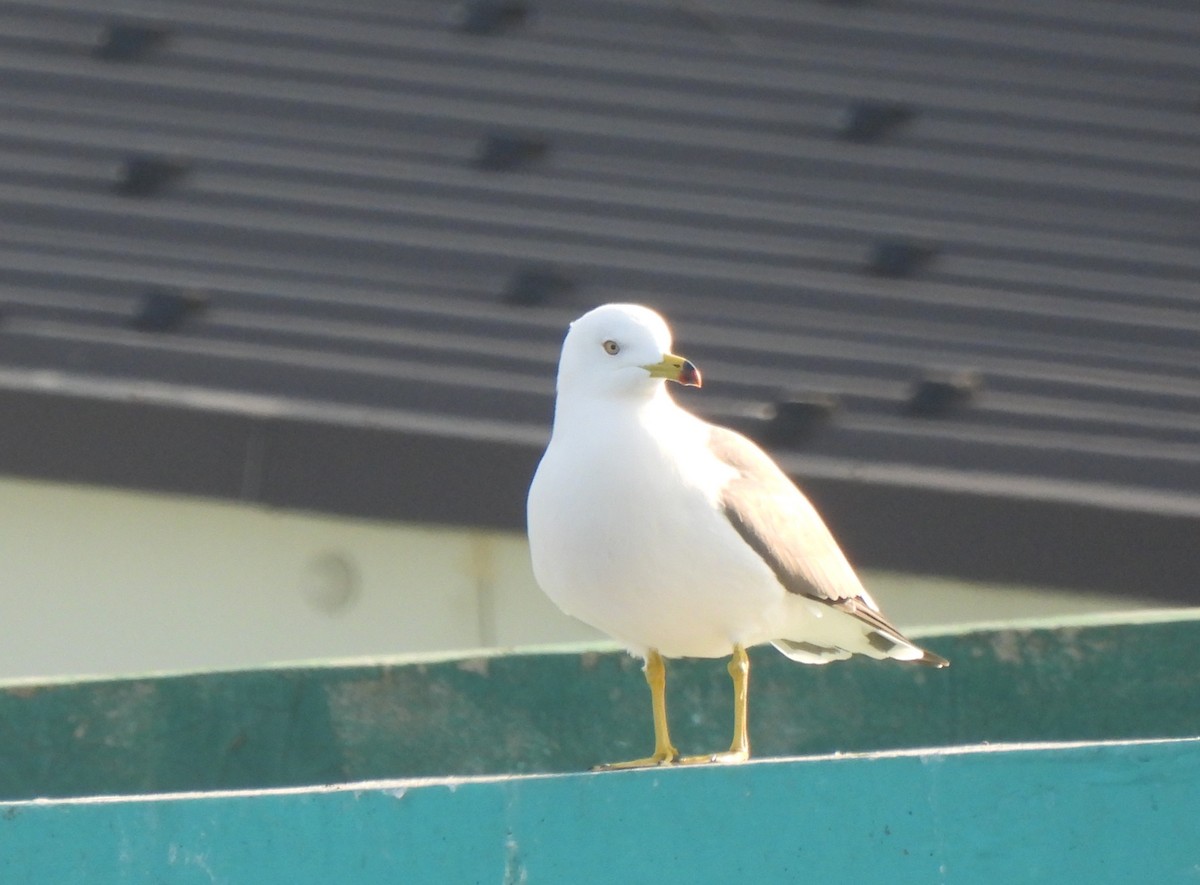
x=1103, y=812
x=564, y=712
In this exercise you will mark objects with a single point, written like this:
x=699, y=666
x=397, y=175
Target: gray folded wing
x=785, y=530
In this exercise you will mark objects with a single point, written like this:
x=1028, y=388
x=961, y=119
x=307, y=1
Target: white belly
x=630, y=542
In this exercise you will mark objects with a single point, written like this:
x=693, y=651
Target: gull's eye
x=611, y=347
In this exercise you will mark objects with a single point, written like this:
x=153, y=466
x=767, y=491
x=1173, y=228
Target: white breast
x=626, y=534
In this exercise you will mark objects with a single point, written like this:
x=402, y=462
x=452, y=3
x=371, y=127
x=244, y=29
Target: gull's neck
x=588, y=413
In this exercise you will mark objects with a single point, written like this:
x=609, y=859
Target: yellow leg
x=739, y=749
x=664, y=753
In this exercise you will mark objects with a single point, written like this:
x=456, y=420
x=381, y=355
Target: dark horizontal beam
x=439, y=471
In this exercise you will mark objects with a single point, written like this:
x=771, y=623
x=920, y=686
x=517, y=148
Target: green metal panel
x=566, y=712
x=1108, y=813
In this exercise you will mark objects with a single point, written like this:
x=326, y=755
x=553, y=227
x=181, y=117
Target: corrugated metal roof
x=828, y=199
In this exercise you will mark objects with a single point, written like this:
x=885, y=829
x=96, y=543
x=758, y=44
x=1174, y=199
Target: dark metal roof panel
x=827, y=199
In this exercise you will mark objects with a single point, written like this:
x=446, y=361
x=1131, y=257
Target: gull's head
x=621, y=350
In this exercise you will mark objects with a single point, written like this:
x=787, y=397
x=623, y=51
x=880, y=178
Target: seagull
x=681, y=538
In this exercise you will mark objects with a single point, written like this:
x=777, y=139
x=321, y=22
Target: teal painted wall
x=1127, y=813
x=567, y=712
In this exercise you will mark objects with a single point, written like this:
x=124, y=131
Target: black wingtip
x=932, y=660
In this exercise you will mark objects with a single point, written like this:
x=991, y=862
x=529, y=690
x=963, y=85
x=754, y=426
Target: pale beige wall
x=102, y=581
x=96, y=581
